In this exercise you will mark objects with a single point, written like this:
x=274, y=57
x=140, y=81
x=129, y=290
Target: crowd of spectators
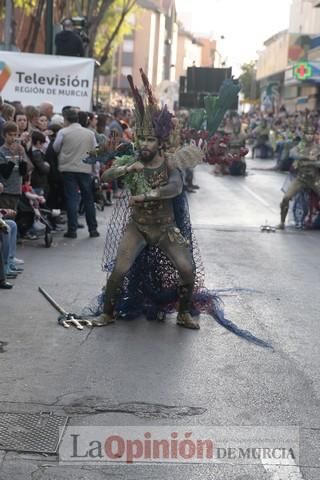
x=274, y=132
x=42, y=166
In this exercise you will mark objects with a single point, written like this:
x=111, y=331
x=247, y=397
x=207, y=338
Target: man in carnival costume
x=151, y=257
x=155, y=181
x=307, y=163
x=236, y=145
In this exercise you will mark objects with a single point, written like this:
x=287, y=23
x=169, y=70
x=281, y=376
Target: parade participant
x=151, y=257
x=174, y=143
x=217, y=151
x=307, y=163
x=236, y=147
x=153, y=220
x=262, y=140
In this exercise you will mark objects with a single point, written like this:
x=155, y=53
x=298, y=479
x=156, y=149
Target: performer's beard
x=147, y=156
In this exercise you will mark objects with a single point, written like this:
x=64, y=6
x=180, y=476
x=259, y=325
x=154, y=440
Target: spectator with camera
x=68, y=42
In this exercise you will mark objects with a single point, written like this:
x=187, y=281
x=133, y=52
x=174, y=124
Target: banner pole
x=49, y=27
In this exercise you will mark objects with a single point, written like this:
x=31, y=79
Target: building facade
x=208, y=54
x=271, y=67
x=288, y=69
x=304, y=42
x=144, y=48
x=274, y=58
x=189, y=53
x=160, y=45
x=304, y=17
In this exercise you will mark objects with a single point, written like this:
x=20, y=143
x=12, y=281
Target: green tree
x=107, y=21
x=113, y=29
x=248, y=82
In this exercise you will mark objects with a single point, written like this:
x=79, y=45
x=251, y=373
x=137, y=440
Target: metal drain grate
x=33, y=433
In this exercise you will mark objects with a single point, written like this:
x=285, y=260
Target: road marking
x=284, y=469
x=256, y=196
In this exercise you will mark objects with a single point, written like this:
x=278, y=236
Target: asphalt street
x=149, y=374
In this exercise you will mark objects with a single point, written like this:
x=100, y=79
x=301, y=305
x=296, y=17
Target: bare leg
x=130, y=247
x=294, y=188
x=177, y=250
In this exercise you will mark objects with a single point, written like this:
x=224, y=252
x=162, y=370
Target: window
x=128, y=46
x=131, y=19
x=127, y=59
x=126, y=71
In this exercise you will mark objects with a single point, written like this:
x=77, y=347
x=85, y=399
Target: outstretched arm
x=117, y=172
x=114, y=172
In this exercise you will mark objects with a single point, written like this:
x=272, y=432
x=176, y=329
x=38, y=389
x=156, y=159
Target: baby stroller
x=28, y=214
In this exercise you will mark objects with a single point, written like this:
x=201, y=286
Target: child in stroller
x=30, y=210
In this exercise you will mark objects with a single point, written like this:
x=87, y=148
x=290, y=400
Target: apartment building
x=305, y=17
x=152, y=45
x=189, y=52
x=160, y=45
x=278, y=62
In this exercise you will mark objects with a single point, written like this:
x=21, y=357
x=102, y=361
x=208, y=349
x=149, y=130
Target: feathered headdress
x=150, y=119
x=197, y=118
x=216, y=107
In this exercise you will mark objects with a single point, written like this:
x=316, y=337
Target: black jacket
x=69, y=43
x=39, y=176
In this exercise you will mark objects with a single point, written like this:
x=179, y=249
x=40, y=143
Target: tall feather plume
x=137, y=97
x=151, y=98
x=150, y=119
x=163, y=123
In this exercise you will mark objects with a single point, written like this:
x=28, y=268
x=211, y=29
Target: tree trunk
x=36, y=26
x=95, y=22
x=60, y=10
x=107, y=48
x=30, y=29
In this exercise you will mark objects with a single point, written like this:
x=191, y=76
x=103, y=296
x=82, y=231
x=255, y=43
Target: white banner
x=32, y=79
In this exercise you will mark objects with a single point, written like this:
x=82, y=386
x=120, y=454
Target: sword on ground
x=66, y=319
